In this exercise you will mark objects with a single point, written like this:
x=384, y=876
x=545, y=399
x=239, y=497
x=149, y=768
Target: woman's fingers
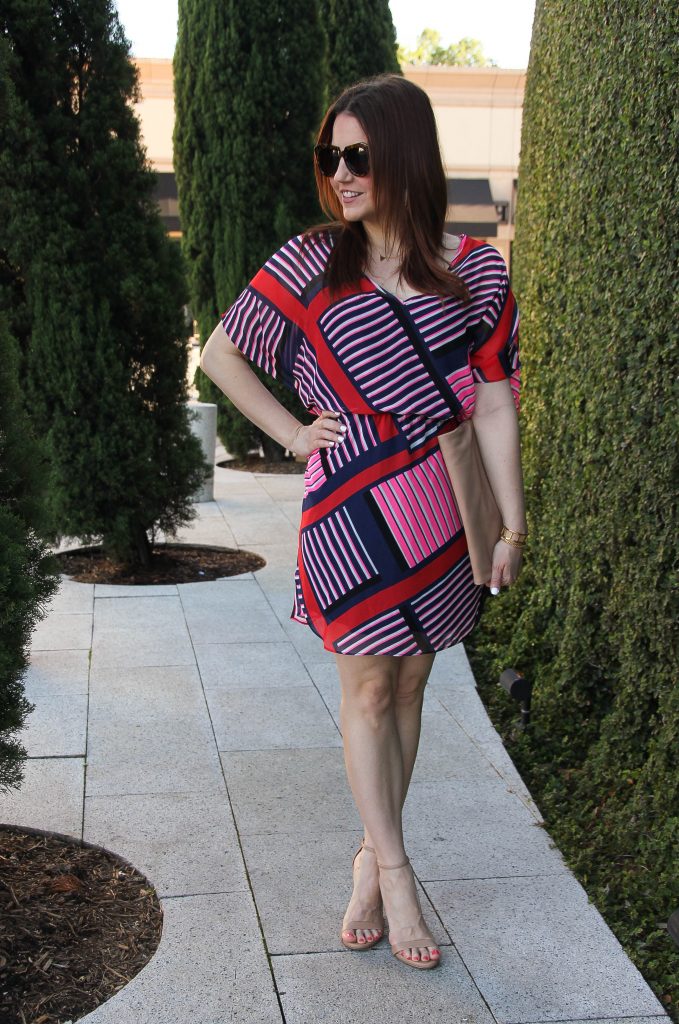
x=331, y=429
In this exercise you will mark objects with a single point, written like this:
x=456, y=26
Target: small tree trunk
x=142, y=546
x=273, y=452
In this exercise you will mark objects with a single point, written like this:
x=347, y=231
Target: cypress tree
x=94, y=287
x=592, y=619
x=362, y=42
x=248, y=100
x=28, y=575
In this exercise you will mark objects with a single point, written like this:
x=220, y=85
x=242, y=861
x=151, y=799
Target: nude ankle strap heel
x=374, y=919
x=410, y=936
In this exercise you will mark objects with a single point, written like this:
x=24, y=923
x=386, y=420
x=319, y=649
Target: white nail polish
x=495, y=590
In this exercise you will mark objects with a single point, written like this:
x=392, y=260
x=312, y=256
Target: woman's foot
x=409, y=936
x=365, y=904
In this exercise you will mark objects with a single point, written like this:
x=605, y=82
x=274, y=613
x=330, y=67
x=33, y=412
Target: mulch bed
x=171, y=563
x=256, y=465
x=76, y=924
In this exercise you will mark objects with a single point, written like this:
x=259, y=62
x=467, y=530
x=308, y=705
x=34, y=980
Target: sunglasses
x=355, y=157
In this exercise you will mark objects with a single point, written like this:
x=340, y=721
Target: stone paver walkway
x=193, y=729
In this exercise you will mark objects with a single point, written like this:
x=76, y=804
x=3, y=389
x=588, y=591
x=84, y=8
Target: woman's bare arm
x=497, y=431
x=222, y=362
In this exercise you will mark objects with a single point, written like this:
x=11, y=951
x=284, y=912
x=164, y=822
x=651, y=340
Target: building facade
x=478, y=113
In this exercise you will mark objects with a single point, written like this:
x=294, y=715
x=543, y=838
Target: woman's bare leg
x=380, y=716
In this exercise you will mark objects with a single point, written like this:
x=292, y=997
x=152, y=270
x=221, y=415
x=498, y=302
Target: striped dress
x=383, y=565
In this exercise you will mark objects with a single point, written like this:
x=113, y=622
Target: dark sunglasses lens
x=327, y=159
x=357, y=160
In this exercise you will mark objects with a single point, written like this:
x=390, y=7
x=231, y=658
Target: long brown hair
x=408, y=186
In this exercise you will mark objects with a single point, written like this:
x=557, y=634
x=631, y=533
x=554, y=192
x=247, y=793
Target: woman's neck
x=379, y=246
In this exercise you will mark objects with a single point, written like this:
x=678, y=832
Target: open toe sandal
x=411, y=936
x=373, y=919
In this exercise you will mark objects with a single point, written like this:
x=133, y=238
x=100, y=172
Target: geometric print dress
x=382, y=564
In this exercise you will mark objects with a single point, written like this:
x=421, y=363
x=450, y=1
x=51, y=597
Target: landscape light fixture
x=520, y=689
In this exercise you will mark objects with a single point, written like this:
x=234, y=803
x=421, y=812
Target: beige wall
x=478, y=113
x=156, y=110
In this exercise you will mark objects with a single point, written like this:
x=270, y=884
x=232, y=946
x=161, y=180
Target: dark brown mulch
x=256, y=465
x=172, y=563
x=76, y=924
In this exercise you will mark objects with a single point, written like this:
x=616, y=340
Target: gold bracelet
x=513, y=537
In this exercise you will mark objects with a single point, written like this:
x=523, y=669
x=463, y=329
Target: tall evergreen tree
x=592, y=618
x=361, y=41
x=248, y=100
x=28, y=574
x=94, y=287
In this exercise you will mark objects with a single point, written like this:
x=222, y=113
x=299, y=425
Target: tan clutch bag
x=481, y=517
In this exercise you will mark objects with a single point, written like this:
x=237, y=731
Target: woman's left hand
x=506, y=564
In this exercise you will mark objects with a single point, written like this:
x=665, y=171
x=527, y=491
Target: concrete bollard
x=203, y=416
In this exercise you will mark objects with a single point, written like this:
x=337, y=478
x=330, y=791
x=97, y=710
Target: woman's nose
x=342, y=173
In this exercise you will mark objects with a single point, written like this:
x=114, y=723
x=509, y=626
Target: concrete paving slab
x=446, y=753
x=72, y=597
x=209, y=968
x=62, y=631
x=467, y=709
x=129, y=682
x=50, y=797
x=474, y=828
x=539, y=951
x=238, y=666
x=280, y=601
x=236, y=610
x=325, y=680
x=54, y=673
x=648, y=1019
x=266, y=718
x=292, y=511
x=132, y=734
x=140, y=631
x=185, y=843
x=57, y=727
x=331, y=988
x=168, y=773
x=451, y=668
x=255, y=525
x=307, y=644
x=282, y=487
x=213, y=531
x=142, y=590
x=290, y=791
x=302, y=884
x=278, y=555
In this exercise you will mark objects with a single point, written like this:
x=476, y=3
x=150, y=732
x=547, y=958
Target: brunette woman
x=390, y=330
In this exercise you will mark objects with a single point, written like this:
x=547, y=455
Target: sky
x=503, y=26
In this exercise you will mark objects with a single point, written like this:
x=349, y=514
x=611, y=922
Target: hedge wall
x=592, y=619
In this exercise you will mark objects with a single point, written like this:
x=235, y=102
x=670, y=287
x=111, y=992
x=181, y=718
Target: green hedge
x=592, y=619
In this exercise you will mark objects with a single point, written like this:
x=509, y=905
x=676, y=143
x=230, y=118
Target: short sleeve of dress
x=494, y=348
x=266, y=322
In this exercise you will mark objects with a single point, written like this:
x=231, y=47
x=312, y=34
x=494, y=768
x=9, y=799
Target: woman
x=390, y=330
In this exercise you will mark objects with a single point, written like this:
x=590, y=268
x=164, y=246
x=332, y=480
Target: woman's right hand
x=326, y=431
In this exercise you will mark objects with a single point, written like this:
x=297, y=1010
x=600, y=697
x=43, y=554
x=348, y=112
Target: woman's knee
x=371, y=690
x=412, y=679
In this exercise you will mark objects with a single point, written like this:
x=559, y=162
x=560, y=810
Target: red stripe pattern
x=383, y=566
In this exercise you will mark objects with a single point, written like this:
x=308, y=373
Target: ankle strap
x=392, y=867
x=366, y=847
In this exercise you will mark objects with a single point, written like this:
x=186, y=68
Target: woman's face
x=355, y=194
